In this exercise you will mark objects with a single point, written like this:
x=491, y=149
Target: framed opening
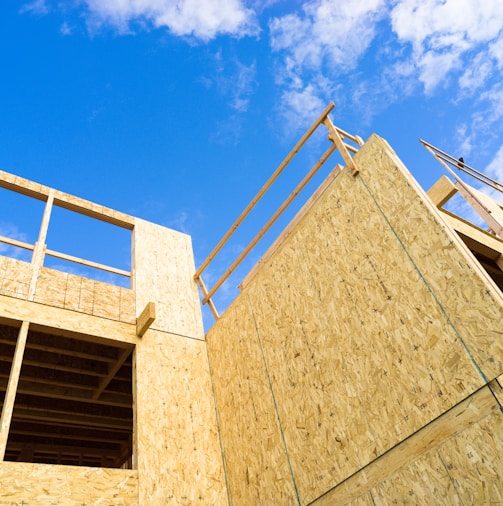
x=74, y=399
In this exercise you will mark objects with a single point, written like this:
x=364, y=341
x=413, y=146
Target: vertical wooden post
x=37, y=261
x=10, y=394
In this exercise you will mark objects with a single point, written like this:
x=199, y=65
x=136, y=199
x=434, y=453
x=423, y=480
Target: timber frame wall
x=358, y=365
x=76, y=346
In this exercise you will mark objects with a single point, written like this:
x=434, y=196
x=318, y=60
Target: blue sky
x=178, y=111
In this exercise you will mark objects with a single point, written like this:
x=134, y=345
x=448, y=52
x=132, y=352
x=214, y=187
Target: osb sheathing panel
x=465, y=469
x=15, y=277
x=44, y=484
x=255, y=457
x=71, y=321
x=59, y=289
x=164, y=274
x=471, y=301
x=85, y=295
x=363, y=343
x=179, y=456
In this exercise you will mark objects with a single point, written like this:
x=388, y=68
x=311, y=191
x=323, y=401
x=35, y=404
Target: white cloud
x=315, y=45
x=204, y=20
x=338, y=33
x=443, y=33
x=65, y=29
x=496, y=50
x=495, y=168
x=12, y=232
x=476, y=74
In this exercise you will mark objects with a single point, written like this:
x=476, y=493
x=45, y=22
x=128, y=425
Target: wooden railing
x=54, y=198
x=450, y=163
x=338, y=138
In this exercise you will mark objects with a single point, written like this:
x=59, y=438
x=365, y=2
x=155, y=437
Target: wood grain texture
x=373, y=321
x=66, y=321
x=44, y=484
x=178, y=453
x=255, y=459
x=164, y=270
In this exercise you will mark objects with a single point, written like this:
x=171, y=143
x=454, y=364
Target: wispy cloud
x=38, y=7
x=235, y=80
x=203, y=20
x=314, y=46
x=12, y=232
x=448, y=36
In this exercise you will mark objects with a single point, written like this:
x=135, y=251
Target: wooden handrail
x=271, y=221
x=442, y=156
x=264, y=188
x=336, y=136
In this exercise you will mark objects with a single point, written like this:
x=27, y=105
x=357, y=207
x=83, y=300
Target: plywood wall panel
x=178, y=452
x=420, y=483
x=15, y=277
x=360, y=349
x=164, y=271
x=353, y=356
x=464, y=291
x=64, y=320
x=44, y=484
x=255, y=459
x=474, y=460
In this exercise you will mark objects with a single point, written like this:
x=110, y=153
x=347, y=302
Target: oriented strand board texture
x=15, y=277
x=59, y=289
x=465, y=469
x=179, y=457
x=164, y=271
x=256, y=459
x=371, y=322
x=84, y=295
x=64, y=320
x=474, y=310
x=44, y=485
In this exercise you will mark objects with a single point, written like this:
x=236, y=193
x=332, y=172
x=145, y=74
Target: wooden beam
x=490, y=242
x=266, y=186
x=291, y=226
x=65, y=200
x=474, y=408
x=272, y=219
x=10, y=394
x=88, y=263
x=442, y=191
x=145, y=320
x=61, y=391
x=335, y=137
x=113, y=370
x=67, y=322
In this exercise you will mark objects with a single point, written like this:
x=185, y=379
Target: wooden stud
x=271, y=220
x=335, y=137
x=266, y=186
x=10, y=394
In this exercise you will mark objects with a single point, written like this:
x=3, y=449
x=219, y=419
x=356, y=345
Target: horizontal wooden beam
x=442, y=191
x=65, y=200
x=66, y=322
x=69, y=392
x=88, y=263
x=474, y=408
x=493, y=244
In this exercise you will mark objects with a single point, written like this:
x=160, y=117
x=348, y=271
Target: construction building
x=361, y=362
